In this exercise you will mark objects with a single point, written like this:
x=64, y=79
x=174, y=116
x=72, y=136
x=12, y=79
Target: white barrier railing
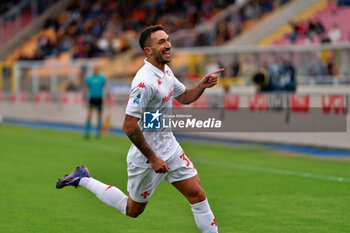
x=307, y=60
x=330, y=102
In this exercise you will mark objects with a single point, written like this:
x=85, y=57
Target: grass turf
x=249, y=189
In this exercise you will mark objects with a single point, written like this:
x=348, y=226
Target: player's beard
x=158, y=57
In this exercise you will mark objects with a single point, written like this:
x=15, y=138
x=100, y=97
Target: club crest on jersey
x=159, y=82
x=152, y=120
x=137, y=99
x=141, y=85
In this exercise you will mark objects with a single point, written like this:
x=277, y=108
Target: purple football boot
x=73, y=178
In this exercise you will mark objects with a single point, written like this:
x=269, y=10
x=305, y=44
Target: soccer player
x=154, y=155
x=94, y=87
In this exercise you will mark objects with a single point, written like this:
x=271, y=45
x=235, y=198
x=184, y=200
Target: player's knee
x=201, y=196
x=198, y=196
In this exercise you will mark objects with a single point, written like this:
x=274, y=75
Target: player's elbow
x=183, y=100
x=186, y=102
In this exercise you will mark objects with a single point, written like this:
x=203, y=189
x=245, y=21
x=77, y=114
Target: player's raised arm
x=192, y=94
x=133, y=131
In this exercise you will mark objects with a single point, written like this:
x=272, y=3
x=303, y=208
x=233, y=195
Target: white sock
x=204, y=217
x=110, y=195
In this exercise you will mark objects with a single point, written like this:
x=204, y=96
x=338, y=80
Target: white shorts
x=142, y=182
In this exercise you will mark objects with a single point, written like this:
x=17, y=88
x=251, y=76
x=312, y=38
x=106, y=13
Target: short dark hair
x=146, y=34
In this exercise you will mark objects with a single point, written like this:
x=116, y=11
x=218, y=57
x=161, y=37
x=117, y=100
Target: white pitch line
x=274, y=170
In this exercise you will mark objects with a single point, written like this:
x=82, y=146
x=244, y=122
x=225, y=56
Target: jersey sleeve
x=179, y=88
x=140, y=95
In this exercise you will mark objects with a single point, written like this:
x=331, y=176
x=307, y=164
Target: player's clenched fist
x=159, y=166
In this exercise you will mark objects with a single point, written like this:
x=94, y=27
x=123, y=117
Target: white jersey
x=153, y=90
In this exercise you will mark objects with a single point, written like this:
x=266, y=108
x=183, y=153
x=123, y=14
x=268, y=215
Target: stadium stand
x=323, y=22
x=230, y=23
x=16, y=19
x=86, y=29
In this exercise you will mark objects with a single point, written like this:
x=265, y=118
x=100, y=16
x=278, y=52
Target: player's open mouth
x=166, y=53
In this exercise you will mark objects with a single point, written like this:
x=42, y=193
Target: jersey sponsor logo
x=137, y=99
x=152, y=120
x=167, y=98
x=141, y=85
x=167, y=72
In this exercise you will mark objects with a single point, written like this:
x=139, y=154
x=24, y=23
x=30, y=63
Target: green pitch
x=250, y=189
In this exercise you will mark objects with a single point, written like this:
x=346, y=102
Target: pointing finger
x=217, y=71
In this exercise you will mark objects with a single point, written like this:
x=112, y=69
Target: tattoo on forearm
x=136, y=137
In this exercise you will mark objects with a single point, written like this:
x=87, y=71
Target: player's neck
x=158, y=65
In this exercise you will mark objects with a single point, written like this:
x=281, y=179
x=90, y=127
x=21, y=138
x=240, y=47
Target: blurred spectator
x=66, y=43
x=299, y=30
x=319, y=28
x=235, y=68
x=331, y=70
x=315, y=28
x=334, y=34
x=293, y=36
x=45, y=46
x=247, y=66
x=276, y=68
x=230, y=74
x=318, y=68
x=279, y=76
x=251, y=11
x=312, y=29
x=288, y=80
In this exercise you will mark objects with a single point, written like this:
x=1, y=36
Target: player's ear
x=148, y=50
